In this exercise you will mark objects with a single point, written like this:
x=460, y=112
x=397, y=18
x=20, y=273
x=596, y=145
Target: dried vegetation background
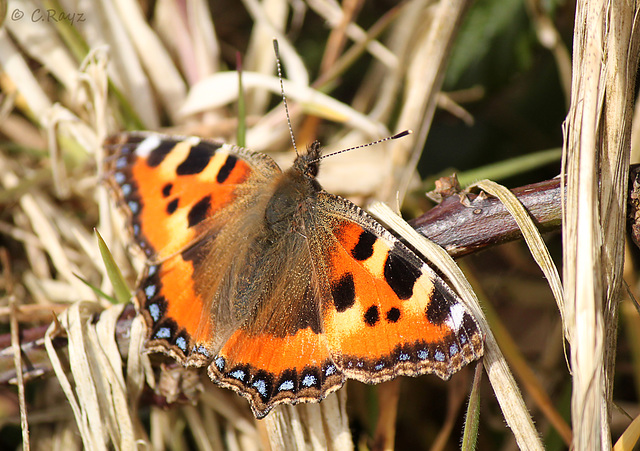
x=485, y=87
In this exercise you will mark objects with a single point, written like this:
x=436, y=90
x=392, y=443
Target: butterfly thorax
x=295, y=193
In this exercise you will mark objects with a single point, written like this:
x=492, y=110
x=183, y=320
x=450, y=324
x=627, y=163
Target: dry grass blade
x=15, y=345
x=425, y=75
x=116, y=412
x=99, y=398
x=597, y=137
x=332, y=13
x=36, y=207
x=139, y=369
x=33, y=101
x=190, y=35
x=513, y=408
x=531, y=235
x=295, y=68
x=629, y=439
x=158, y=64
x=222, y=88
x=83, y=400
x=312, y=426
x=41, y=41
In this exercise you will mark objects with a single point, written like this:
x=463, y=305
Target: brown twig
x=465, y=222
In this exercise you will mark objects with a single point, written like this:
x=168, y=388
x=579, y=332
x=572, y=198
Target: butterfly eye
x=312, y=169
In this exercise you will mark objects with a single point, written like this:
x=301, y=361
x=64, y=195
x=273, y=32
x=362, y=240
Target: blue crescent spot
x=260, y=386
x=286, y=386
x=133, y=206
x=163, y=332
x=181, y=343
x=238, y=374
x=150, y=291
x=309, y=380
x=154, y=311
x=121, y=163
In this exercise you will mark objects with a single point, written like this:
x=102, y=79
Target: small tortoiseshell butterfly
x=282, y=289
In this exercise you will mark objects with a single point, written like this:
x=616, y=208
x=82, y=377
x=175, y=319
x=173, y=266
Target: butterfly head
x=308, y=163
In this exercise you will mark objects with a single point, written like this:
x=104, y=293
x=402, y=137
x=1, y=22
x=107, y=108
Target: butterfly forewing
x=179, y=194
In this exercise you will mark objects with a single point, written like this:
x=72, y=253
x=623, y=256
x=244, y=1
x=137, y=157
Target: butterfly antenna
x=396, y=136
x=284, y=98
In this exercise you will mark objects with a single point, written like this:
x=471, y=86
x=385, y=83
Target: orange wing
x=389, y=313
x=178, y=194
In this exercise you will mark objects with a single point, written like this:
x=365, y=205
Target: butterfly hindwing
x=279, y=354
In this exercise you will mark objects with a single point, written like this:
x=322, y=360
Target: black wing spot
x=198, y=159
x=364, y=248
x=372, y=315
x=166, y=189
x=225, y=170
x=157, y=155
x=199, y=211
x=172, y=206
x=393, y=315
x=400, y=275
x=344, y=293
x=438, y=308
